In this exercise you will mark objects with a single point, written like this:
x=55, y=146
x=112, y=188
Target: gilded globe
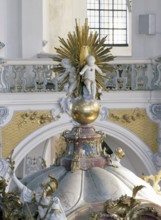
x=85, y=112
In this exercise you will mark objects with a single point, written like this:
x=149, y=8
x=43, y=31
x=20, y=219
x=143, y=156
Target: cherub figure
x=70, y=72
x=49, y=206
x=90, y=76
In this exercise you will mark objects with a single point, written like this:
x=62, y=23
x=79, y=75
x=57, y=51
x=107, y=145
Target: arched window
x=111, y=18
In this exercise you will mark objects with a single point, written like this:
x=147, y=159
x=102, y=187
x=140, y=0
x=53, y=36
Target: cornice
x=112, y=99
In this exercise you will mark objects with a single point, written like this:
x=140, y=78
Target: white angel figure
x=90, y=76
x=70, y=72
x=49, y=207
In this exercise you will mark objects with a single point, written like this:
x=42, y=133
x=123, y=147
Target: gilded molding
x=127, y=207
x=154, y=181
x=137, y=121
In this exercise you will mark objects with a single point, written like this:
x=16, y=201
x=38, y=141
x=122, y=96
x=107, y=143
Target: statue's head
x=66, y=63
x=90, y=60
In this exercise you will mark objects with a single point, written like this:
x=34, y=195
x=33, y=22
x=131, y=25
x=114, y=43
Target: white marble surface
x=94, y=185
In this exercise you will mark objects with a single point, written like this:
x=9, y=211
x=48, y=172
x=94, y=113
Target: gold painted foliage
x=154, y=180
x=22, y=125
x=128, y=118
x=35, y=117
x=137, y=121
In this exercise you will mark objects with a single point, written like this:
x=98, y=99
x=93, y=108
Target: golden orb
x=85, y=112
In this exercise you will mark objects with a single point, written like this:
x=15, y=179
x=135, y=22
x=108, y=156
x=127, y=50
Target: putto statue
x=49, y=206
x=89, y=77
x=69, y=76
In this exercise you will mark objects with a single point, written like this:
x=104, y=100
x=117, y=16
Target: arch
x=139, y=148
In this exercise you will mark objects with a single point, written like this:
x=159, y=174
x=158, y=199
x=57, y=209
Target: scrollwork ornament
x=157, y=160
x=4, y=112
x=155, y=110
x=104, y=113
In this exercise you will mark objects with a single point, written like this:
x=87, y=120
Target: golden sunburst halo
x=78, y=45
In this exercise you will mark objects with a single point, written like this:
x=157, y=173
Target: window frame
x=126, y=49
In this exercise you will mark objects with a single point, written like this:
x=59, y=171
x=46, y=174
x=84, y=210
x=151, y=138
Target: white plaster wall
x=3, y=17
x=9, y=28
x=32, y=27
x=46, y=27
x=23, y=28
x=62, y=15
x=13, y=44
x=146, y=45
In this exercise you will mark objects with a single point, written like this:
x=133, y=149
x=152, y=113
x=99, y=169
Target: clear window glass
x=110, y=18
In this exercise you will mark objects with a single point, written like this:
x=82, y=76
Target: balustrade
x=38, y=75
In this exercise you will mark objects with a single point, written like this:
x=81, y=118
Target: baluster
x=128, y=71
x=142, y=76
x=120, y=80
x=157, y=82
x=133, y=76
x=49, y=76
x=3, y=86
x=46, y=77
x=141, y=79
x=149, y=74
x=40, y=80
x=55, y=82
x=6, y=76
x=155, y=76
x=19, y=79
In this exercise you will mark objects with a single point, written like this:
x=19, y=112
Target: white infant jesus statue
x=90, y=76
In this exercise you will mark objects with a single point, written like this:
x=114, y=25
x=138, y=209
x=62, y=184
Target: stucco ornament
x=4, y=112
x=155, y=110
x=104, y=113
